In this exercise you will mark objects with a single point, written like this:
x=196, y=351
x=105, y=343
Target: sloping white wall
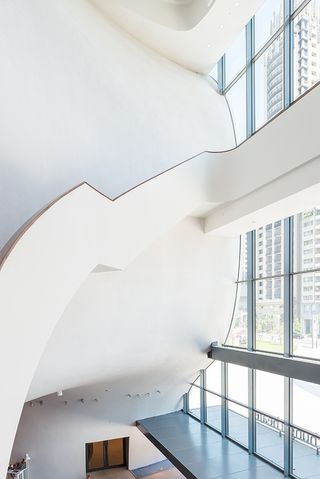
x=184, y=32
x=63, y=120
x=81, y=100
x=49, y=263
x=155, y=318
x=55, y=436
x=137, y=331
x=54, y=256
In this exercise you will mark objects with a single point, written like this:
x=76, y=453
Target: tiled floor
x=125, y=474
x=204, y=452
x=168, y=474
x=270, y=444
x=117, y=473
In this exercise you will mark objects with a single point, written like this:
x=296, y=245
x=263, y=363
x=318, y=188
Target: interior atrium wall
x=141, y=332
x=150, y=323
x=82, y=100
x=55, y=437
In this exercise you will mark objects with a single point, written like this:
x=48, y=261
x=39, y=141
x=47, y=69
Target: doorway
x=107, y=454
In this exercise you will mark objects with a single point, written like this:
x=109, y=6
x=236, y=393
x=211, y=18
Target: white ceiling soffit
x=192, y=33
x=174, y=14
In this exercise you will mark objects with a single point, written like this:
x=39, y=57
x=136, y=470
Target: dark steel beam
x=303, y=370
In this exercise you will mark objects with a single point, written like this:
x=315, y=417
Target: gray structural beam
x=289, y=367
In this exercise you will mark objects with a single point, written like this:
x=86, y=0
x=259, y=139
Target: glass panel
x=115, y=452
x=194, y=399
x=306, y=461
x=296, y=4
x=238, y=335
x=269, y=251
x=306, y=401
x=306, y=49
x=269, y=83
x=244, y=258
x=269, y=315
x=238, y=423
x=270, y=438
x=235, y=57
x=238, y=383
x=270, y=394
x=306, y=315
x=213, y=377
x=268, y=20
x=214, y=72
x=305, y=413
x=214, y=411
x=236, y=98
x=95, y=451
x=307, y=240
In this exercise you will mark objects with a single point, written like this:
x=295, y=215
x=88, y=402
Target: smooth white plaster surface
x=70, y=240
x=168, y=30
x=152, y=320
x=46, y=147
x=81, y=100
x=56, y=438
x=55, y=255
x=135, y=331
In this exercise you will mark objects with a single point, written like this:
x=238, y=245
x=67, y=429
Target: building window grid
x=285, y=426
x=284, y=93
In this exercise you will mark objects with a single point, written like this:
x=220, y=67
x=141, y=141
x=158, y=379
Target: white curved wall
x=50, y=261
x=170, y=31
x=176, y=15
x=55, y=437
x=81, y=100
x=260, y=178
x=135, y=331
x=152, y=320
x=63, y=121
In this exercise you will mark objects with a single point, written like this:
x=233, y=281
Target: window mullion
x=249, y=79
x=251, y=300
x=287, y=308
x=287, y=52
x=222, y=74
x=251, y=408
x=224, y=392
x=251, y=307
x=287, y=299
x=287, y=428
x=203, y=398
x=185, y=406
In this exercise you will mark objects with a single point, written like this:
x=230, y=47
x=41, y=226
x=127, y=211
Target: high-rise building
x=274, y=69
x=306, y=57
x=306, y=49
x=306, y=66
x=307, y=285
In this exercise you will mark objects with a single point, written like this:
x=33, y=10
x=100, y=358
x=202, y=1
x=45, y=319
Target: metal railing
x=286, y=429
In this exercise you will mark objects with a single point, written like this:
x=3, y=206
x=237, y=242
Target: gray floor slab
x=203, y=452
x=208, y=456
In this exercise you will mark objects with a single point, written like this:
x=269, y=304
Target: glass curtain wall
x=275, y=59
x=279, y=292
x=258, y=418
x=276, y=310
